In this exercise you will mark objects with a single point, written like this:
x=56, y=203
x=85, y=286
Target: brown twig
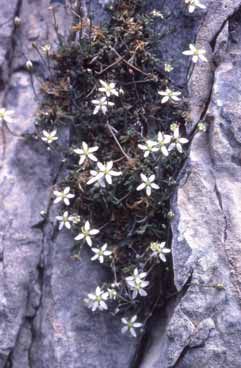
x=129, y=64
x=111, y=130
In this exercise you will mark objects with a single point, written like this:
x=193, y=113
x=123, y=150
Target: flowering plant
x=127, y=145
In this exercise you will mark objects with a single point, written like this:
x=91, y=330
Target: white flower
x=149, y=147
x=168, y=94
x=97, y=300
x=101, y=253
x=137, y=283
x=195, y=53
x=6, y=115
x=46, y=48
x=29, y=65
x=49, y=137
x=193, y=4
x=168, y=67
x=163, y=140
x=104, y=171
x=108, y=88
x=65, y=220
x=86, y=233
x=130, y=325
x=148, y=184
x=177, y=141
x=64, y=196
x=101, y=104
x=17, y=21
x=159, y=250
x=86, y=152
x=156, y=14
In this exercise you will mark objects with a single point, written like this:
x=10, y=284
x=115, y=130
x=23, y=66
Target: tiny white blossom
x=112, y=293
x=168, y=67
x=104, y=171
x=108, y=88
x=46, y=48
x=147, y=184
x=29, y=65
x=86, y=152
x=121, y=91
x=64, y=196
x=86, y=233
x=17, y=21
x=97, y=300
x=137, y=283
x=148, y=147
x=159, y=250
x=6, y=115
x=193, y=4
x=101, y=253
x=49, y=137
x=130, y=325
x=177, y=141
x=65, y=220
x=102, y=105
x=168, y=94
x=156, y=14
x=163, y=140
x=197, y=54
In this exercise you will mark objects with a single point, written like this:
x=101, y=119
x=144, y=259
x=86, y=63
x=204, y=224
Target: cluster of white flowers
x=137, y=283
x=164, y=143
x=103, y=103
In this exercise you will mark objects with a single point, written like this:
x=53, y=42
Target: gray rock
x=43, y=319
x=204, y=327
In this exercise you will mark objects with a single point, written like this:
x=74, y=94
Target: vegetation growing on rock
x=127, y=125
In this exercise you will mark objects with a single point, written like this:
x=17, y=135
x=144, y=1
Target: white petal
x=66, y=201
x=155, y=186
x=143, y=178
x=82, y=160
x=88, y=240
x=164, y=99
x=141, y=187
x=164, y=151
x=79, y=237
x=94, y=232
x=148, y=190
x=108, y=179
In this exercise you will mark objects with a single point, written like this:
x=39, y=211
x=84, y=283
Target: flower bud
x=29, y=65
x=17, y=21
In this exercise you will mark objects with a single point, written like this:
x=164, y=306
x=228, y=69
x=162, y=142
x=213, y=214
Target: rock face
x=203, y=325
x=43, y=322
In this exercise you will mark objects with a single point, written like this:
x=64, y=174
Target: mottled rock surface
x=203, y=325
x=43, y=320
